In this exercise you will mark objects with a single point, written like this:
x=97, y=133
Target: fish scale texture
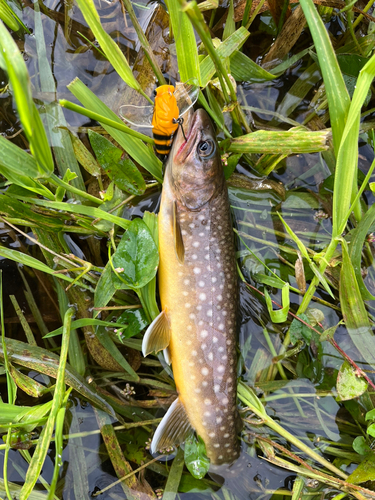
x=200, y=297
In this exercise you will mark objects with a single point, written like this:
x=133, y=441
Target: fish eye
x=155, y=93
x=206, y=149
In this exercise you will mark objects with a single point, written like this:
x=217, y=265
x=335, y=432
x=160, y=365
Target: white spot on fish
x=199, y=308
x=192, y=225
x=189, y=341
x=221, y=326
x=194, y=353
x=196, y=244
x=202, y=296
x=222, y=428
x=224, y=357
x=225, y=401
x=191, y=363
x=214, y=339
x=221, y=368
x=224, y=313
x=209, y=313
x=194, y=256
x=203, y=346
x=204, y=383
x=213, y=279
x=216, y=388
x=216, y=445
x=200, y=217
x=210, y=356
x=197, y=390
x=201, y=284
x=207, y=256
x=221, y=349
x=197, y=270
x=204, y=372
x=207, y=402
x=229, y=342
x=219, y=298
x=183, y=232
x=220, y=457
x=201, y=235
x=204, y=334
x=186, y=281
x=207, y=414
x=192, y=316
x=187, y=305
x=211, y=435
x=219, y=420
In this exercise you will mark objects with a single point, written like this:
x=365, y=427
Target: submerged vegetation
x=80, y=238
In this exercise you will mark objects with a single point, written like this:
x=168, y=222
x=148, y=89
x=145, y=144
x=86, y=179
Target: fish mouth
x=184, y=146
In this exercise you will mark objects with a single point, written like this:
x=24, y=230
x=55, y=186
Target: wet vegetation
x=289, y=89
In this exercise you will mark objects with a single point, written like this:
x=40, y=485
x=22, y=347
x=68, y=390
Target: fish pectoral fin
x=177, y=236
x=173, y=429
x=167, y=356
x=157, y=335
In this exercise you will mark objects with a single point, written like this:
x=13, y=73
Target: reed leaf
x=109, y=47
x=291, y=142
x=337, y=94
x=186, y=45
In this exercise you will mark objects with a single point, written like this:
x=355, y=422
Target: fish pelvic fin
x=157, y=335
x=173, y=429
x=177, y=236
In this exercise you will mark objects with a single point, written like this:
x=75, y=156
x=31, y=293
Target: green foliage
x=195, y=456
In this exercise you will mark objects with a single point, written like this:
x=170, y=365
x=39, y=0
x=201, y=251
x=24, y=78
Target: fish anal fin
x=157, y=335
x=177, y=236
x=173, y=429
x=167, y=356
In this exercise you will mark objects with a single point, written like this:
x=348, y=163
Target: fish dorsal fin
x=177, y=236
x=157, y=335
x=173, y=429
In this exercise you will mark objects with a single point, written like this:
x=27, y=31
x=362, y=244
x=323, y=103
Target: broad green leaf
x=136, y=321
x=230, y=25
x=186, y=45
x=134, y=147
x=349, y=385
x=337, y=95
x=365, y=470
x=122, y=172
x=136, y=256
x=370, y=415
x=196, y=459
x=279, y=315
x=360, y=446
x=354, y=311
x=104, y=290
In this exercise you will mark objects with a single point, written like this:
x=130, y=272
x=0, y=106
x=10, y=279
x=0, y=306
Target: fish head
x=194, y=164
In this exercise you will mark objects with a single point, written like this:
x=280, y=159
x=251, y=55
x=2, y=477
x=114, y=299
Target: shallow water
x=318, y=418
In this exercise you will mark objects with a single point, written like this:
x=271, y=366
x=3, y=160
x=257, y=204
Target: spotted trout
x=198, y=292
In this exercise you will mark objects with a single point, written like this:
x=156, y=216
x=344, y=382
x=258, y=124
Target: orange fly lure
x=165, y=119
x=166, y=115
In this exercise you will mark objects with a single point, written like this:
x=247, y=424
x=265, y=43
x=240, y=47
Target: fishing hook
x=180, y=121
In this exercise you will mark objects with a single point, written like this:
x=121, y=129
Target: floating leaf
x=299, y=330
x=360, y=445
x=196, y=459
x=349, y=384
x=137, y=255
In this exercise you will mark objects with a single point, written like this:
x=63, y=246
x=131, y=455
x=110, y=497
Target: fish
x=199, y=296
x=166, y=115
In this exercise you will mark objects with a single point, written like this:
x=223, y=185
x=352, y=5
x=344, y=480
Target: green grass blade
x=345, y=187
x=109, y=47
x=30, y=119
x=224, y=50
x=133, y=146
x=41, y=449
x=337, y=94
x=186, y=45
x=174, y=476
x=102, y=119
x=354, y=311
x=11, y=385
x=6, y=15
